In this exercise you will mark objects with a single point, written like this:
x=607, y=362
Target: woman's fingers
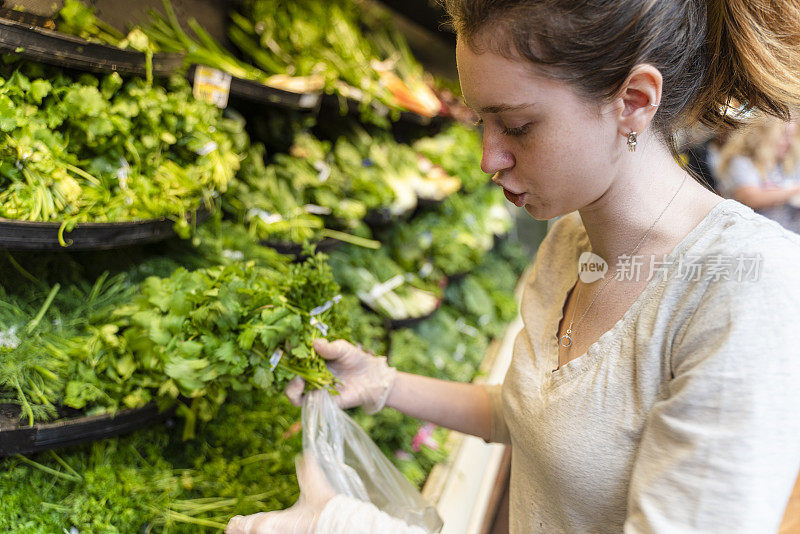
x=333, y=350
x=294, y=390
x=315, y=490
x=250, y=524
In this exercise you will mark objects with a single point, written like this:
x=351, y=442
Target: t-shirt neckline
x=593, y=352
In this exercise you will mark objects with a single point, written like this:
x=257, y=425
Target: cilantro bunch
x=88, y=149
x=201, y=334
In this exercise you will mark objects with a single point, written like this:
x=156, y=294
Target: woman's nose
x=495, y=156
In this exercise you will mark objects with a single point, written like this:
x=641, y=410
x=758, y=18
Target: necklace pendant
x=566, y=340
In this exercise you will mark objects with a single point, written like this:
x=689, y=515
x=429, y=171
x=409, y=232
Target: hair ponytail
x=753, y=50
x=713, y=54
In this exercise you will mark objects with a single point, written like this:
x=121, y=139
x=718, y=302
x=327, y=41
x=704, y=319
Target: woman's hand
x=366, y=380
x=315, y=492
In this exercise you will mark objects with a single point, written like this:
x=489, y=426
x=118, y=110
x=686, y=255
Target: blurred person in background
x=759, y=166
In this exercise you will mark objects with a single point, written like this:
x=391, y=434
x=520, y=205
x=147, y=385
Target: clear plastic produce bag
x=356, y=467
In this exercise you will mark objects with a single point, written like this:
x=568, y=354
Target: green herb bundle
x=308, y=38
x=382, y=285
x=456, y=236
x=458, y=150
x=201, y=334
x=152, y=481
x=85, y=149
x=192, y=337
x=307, y=194
x=330, y=42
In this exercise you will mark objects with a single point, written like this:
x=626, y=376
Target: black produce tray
x=30, y=439
x=62, y=50
x=296, y=250
x=382, y=217
x=258, y=92
x=396, y=324
x=31, y=235
x=354, y=108
x=379, y=218
x=456, y=277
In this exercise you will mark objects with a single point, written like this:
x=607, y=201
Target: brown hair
x=712, y=54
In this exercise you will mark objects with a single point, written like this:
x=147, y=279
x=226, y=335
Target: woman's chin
x=537, y=213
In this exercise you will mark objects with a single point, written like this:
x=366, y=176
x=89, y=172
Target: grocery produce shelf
x=353, y=107
x=258, y=92
x=62, y=50
x=32, y=235
x=295, y=249
x=30, y=439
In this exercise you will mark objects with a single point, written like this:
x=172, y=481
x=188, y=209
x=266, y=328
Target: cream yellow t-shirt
x=685, y=416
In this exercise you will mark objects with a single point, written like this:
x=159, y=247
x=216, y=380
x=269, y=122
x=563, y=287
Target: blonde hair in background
x=758, y=140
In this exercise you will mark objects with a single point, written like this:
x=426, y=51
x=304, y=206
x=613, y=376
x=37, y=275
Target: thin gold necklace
x=566, y=339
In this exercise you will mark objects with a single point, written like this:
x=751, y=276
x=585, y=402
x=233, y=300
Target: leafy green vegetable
x=458, y=150
x=305, y=194
x=196, y=335
x=455, y=237
x=152, y=480
x=382, y=285
x=327, y=40
x=95, y=150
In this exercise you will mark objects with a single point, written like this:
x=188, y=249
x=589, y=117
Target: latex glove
x=346, y=515
x=302, y=517
x=366, y=380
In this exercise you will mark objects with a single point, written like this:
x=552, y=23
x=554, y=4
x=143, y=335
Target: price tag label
x=212, y=85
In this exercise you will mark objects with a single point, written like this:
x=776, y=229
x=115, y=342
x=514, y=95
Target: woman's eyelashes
x=513, y=132
x=518, y=131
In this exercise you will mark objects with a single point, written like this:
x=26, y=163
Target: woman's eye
x=518, y=131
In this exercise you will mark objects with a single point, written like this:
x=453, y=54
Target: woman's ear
x=638, y=99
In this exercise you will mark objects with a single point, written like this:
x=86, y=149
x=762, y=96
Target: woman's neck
x=618, y=220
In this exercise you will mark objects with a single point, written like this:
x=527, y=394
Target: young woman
x=660, y=398
x=760, y=167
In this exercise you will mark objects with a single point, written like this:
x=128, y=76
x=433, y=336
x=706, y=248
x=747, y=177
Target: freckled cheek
x=540, y=162
x=559, y=172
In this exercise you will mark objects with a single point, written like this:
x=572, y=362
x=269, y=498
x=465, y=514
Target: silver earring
x=632, y=141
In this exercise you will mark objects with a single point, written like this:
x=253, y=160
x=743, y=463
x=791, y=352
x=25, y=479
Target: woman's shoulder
x=742, y=299
x=743, y=254
x=738, y=227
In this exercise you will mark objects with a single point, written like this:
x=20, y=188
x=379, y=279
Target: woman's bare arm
x=758, y=198
x=453, y=405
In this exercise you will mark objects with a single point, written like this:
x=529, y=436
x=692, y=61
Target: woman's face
x=552, y=152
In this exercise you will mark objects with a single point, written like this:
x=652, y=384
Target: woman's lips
x=517, y=200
